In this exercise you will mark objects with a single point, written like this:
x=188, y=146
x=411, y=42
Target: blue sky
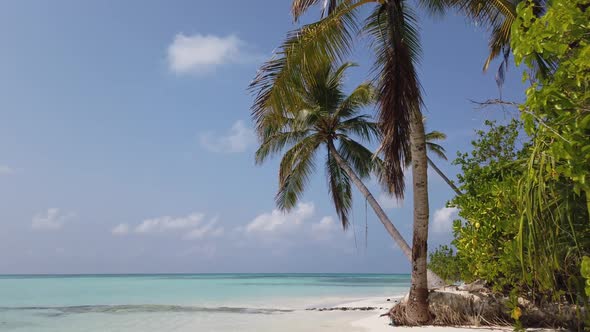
x=126, y=144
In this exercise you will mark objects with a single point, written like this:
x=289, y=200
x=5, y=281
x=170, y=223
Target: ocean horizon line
x=194, y=273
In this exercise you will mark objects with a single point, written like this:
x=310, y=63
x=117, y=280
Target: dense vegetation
x=525, y=226
x=486, y=240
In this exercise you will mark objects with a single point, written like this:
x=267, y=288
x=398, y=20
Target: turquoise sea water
x=179, y=302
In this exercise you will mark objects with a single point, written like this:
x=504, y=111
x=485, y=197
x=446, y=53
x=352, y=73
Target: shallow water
x=200, y=302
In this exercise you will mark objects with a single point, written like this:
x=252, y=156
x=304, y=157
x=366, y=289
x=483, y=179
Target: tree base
x=476, y=306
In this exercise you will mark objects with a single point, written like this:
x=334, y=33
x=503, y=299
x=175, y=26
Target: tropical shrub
x=555, y=194
x=586, y=273
x=525, y=224
x=445, y=264
x=485, y=236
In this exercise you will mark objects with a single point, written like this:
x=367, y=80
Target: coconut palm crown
x=323, y=116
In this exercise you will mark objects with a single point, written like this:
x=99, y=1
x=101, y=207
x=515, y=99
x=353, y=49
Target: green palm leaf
x=499, y=16
x=361, y=126
x=433, y=147
x=340, y=189
x=362, y=96
x=277, y=142
x=294, y=172
x=435, y=136
x=357, y=156
x=301, y=6
x=436, y=149
x=278, y=80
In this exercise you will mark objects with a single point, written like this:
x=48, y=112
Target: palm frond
x=295, y=170
x=277, y=142
x=322, y=86
x=357, y=156
x=499, y=16
x=363, y=96
x=336, y=77
x=301, y=6
x=500, y=45
x=362, y=126
x=433, y=7
x=395, y=40
x=308, y=47
x=340, y=189
x=435, y=136
x=433, y=147
x=487, y=12
x=436, y=149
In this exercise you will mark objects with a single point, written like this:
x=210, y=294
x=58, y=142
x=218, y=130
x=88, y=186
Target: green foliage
x=525, y=210
x=525, y=225
x=555, y=194
x=489, y=181
x=445, y=264
x=557, y=110
x=585, y=270
x=514, y=309
x=496, y=241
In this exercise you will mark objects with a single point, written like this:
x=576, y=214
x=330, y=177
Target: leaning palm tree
x=323, y=116
x=392, y=29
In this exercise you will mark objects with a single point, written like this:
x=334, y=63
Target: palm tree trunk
x=417, y=312
x=434, y=281
x=444, y=177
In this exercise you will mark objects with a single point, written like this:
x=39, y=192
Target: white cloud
x=193, y=226
x=326, y=224
x=324, y=229
x=278, y=221
x=5, y=170
x=120, y=230
x=204, y=53
x=282, y=231
x=443, y=219
x=389, y=202
x=53, y=219
x=210, y=229
x=238, y=139
x=166, y=223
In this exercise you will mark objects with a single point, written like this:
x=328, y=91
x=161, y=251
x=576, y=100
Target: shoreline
x=321, y=314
